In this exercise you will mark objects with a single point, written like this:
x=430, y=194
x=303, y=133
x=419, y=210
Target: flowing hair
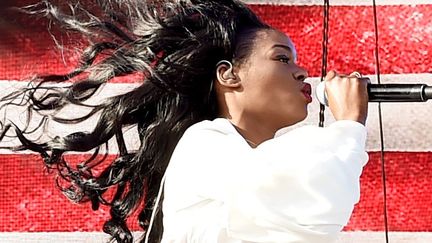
x=171, y=48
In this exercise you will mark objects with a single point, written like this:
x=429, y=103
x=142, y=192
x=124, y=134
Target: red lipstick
x=307, y=91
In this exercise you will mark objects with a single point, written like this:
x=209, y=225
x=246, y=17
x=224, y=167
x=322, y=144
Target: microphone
x=387, y=93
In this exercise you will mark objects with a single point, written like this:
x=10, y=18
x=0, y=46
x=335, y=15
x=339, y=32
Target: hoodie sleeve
x=303, y=187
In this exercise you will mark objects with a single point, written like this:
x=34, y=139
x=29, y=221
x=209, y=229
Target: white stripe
x=98, y=237
x=17, y=115
x=379, y=237
x=338, y=2
x=407, y=126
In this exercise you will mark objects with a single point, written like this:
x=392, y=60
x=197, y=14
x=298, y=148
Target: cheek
x=272, y=84
x=266, y=78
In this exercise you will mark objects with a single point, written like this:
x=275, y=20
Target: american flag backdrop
x=32, y=209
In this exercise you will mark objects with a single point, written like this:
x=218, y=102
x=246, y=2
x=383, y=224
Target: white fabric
x=300, y=186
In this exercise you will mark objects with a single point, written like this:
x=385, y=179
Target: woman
x=227, y=84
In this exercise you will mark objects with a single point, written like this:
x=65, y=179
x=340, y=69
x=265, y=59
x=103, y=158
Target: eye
x=284, y=59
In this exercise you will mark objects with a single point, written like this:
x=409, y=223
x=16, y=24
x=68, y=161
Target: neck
x=254, y=132
x=252, y=129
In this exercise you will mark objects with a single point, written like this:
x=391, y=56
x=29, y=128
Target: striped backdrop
x=33, y=210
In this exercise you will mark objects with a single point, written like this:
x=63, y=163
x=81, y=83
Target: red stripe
x=409, y=193
x=405, y=43
x=30, y=201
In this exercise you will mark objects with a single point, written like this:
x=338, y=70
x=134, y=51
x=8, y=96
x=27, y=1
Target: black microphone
x=387, y=93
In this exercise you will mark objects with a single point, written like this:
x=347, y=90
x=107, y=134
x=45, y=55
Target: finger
x=356, y=75
x=330, y=75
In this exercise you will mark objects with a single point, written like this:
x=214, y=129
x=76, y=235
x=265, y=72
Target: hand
x=347, y=96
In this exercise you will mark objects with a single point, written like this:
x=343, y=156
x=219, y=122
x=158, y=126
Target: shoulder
x=205, y=150
x=207, y=132
x=218, y=126
x=208, y=144
x=206, y=135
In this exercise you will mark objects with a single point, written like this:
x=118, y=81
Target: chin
x=299, y=118
x=303, y=116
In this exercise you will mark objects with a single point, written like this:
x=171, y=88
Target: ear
x=226, y=76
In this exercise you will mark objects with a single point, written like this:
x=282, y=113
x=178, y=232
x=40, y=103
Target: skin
x=264, y=93
x=347, y=96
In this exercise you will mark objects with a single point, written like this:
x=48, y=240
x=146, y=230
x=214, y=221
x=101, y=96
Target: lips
x=307, y=91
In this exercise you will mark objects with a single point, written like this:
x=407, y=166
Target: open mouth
x=307, y=91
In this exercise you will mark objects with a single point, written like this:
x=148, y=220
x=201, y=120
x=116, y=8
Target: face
x=273, y=88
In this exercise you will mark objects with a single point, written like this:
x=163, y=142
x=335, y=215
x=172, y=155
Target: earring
x=224, y=62
x=230, y=69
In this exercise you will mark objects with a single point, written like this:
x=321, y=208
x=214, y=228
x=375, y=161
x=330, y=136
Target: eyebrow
x=282, y=46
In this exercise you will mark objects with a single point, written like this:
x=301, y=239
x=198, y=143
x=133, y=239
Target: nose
x=301, y=74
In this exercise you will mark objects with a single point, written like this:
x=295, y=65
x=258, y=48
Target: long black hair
x=172, y=48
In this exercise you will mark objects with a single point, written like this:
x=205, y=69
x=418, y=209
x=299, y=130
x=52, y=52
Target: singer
x=218, y=89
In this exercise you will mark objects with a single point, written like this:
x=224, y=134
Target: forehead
x=271, y=39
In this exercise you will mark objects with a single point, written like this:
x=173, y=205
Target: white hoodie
x=299, y=187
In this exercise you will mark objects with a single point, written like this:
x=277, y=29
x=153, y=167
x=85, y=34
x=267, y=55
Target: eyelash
x=284, y=59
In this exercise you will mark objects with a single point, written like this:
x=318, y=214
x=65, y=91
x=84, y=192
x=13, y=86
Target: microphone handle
x=387, y=93
x=399, y=92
